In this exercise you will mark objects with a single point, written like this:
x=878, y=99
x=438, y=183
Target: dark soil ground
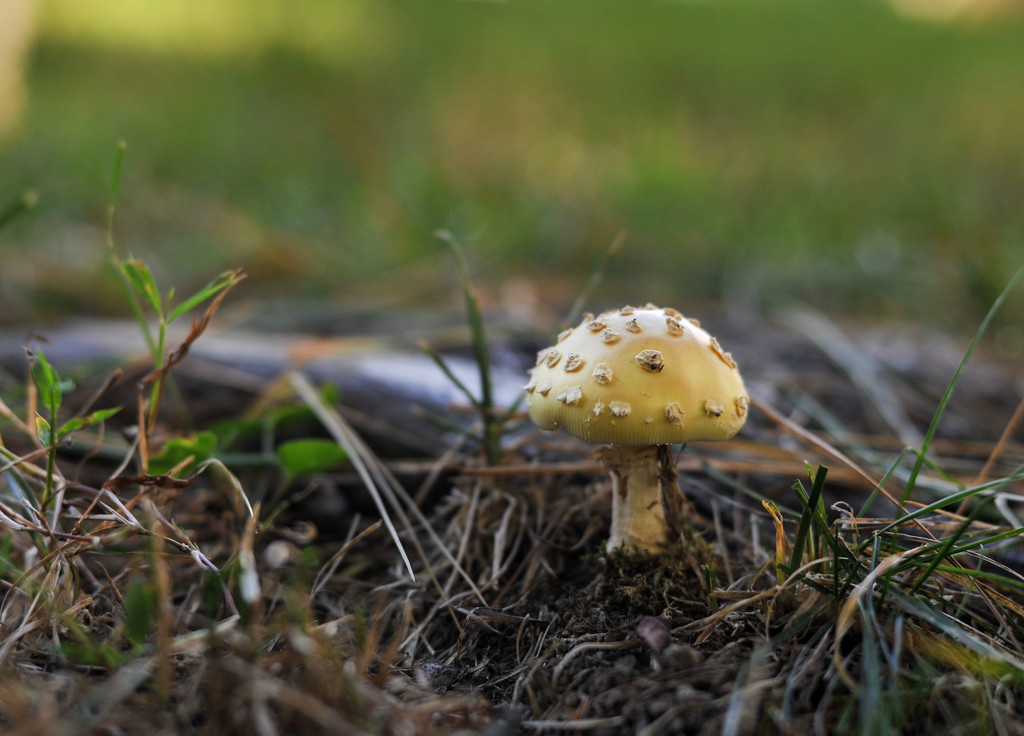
x=514, y=620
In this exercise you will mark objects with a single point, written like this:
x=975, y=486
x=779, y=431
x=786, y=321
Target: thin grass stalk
x=815, y=441
x=781, y=542
x=982, y=329
x=889, y=473
x=332, y=422
x=491, y=426
x=984, y=575
x=460, y=554
x=442, y=364
x=133, y=301
x=51, y=466
x=808, y=517
x=868, y=693
x=947, y=544
x=957, y=632
x=888, y=676
x=156, y=392
x=162, y=594
x=975, y=544
x=807, y=655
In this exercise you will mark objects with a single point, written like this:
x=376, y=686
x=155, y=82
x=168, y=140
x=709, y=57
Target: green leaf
x=226, y=279
x=141, y=279
x=309, y=456
x=48, y=382
x=279, y=418
x=44, y=432
x=93, y=653
x=77, y=423
x=140, y=612
x=175, y=451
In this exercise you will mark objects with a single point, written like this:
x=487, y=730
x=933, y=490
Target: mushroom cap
x=638, y=376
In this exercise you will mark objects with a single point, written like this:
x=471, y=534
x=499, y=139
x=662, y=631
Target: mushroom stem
x=638, y=514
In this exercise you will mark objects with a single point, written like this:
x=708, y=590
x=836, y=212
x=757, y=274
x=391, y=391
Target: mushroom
x=639, y=380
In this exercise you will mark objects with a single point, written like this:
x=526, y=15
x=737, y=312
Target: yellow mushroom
x=638, y=378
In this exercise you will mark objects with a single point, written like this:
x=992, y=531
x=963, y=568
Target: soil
x=516, y=620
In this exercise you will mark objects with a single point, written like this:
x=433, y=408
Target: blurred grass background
x=754, y=151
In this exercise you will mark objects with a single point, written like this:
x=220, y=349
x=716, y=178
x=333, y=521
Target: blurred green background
x=840, y=153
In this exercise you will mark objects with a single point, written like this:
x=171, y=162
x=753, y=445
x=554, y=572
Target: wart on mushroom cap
x=656, y=379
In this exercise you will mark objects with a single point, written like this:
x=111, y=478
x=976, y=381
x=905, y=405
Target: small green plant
x=492, y=419
x=144, y=295
x=50, y=429
x=59, y=527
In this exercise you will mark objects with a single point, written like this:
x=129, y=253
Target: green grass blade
x=1014, y=584
x=143, y=283
x=485, y=405
x=132, y=295
x=446, y=424
x=982, y=329
x=870, y=681
x=810, y=514
x=996, y=659
x=985, y=541
x=889, y=473
x=140, y=610
x=223, y=281
x=449, y=373
x=942, y=552
x=473, y=314
x=947, y=501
